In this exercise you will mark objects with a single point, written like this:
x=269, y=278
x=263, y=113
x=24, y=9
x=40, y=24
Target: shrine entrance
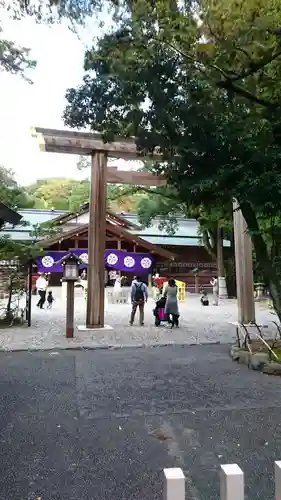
x=80, y=143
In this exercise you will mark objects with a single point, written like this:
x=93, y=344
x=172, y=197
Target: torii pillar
x=244, y=267
x=96, y=241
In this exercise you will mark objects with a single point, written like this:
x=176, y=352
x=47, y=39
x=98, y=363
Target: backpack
x=138, y=295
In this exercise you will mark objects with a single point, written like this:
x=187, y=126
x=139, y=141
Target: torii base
x=84, y=328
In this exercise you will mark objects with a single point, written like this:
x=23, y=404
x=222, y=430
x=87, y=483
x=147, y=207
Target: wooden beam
x=115, y=176
x=83, y=143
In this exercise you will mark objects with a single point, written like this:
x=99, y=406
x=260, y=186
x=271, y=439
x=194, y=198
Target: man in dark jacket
x=139, y=296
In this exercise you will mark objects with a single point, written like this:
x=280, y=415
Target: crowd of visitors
x=166, y=297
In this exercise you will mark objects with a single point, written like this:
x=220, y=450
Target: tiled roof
x=186, y=233
x=32, y=216
x=113, y=229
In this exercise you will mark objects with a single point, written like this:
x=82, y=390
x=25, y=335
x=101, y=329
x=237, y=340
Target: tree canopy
x=200, y=81
x=11, y=194
x=15, y=59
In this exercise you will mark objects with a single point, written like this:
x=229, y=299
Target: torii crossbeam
x=92, y=144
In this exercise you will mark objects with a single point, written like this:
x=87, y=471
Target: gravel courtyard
x=198, y=325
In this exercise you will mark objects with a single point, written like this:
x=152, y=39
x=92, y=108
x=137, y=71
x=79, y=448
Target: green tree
x=15, y=256
x=60, y=193
x=120, y=197
x=207, y=93
x=11, y=194
x=16, y=59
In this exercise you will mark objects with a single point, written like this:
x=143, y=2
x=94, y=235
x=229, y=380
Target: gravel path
x=198, y=326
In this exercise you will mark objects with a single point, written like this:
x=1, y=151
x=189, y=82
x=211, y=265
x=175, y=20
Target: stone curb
x=96, y=347
x=257, y=361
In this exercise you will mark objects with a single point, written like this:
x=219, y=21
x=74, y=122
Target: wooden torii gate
x=81, y=143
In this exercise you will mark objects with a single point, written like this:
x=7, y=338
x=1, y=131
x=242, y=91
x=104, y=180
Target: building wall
x=189, y=258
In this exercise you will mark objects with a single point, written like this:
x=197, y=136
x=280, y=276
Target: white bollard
x=232, y=482
x=277, y=467
x=174, y=484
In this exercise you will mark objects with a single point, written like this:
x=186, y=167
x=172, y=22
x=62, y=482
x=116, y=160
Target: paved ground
x=101, y=425
x=198, y=325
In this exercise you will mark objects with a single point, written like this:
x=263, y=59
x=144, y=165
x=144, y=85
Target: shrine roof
x=29, y=217
x=72, y=216
x=113, y=229
x=186, y=230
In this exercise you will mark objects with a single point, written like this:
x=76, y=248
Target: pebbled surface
x=198, y=325
x=102, y=425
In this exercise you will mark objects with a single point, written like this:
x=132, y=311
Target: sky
x=59, y=54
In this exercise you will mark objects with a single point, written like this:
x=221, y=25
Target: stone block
x=272, y=368
x=258, y=360
x=235, y=352
x=244, y=357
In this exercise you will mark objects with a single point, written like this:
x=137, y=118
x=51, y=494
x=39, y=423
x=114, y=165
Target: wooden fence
x=231, y=483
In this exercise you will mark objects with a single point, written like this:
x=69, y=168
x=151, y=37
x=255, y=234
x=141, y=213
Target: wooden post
x=196, y=282
x=277, y=467
x=220, y=265
x=231, y=482
x=174, y=484
x=244, y=268
x=70, y=310
x=96, y=242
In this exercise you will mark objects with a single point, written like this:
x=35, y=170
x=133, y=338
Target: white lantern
x=71, y=268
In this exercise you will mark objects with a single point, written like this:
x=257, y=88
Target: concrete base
x=84, y=328
x=222, y=288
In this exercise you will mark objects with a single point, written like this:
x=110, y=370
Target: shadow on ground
x=103, y=424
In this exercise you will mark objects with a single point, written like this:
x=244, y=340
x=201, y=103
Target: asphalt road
x=103, y=424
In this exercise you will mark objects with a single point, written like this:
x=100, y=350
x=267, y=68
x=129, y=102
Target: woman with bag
x=172, y=306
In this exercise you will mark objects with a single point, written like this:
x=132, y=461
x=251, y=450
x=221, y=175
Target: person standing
x=139, y=296
x=41, y=286
x=83, y=276
x=172, y=306
x=50, y=300
x=215, y=284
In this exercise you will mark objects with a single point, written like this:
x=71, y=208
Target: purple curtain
x=120, y=260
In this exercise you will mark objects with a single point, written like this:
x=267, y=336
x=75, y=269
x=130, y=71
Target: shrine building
x=174, y=255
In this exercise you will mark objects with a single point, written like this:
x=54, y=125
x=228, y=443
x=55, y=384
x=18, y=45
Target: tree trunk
x=263, y=257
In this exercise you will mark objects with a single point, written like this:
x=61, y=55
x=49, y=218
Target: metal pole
x=70, y=310
x=29, y=294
